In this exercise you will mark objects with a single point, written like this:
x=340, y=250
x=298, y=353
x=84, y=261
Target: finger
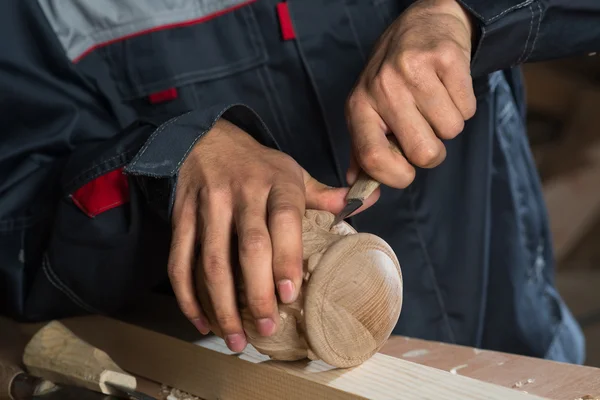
x=256, y=255
x=459, y=84
x=353, y=170
x=372, y=149
x=436, y=105
x=319, y=196
x=368, y=202
x=216, y=225
x=180, y=264
x=285, y=210
x=416, y=137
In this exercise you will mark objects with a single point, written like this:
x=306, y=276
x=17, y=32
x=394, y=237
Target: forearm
x=513, y=32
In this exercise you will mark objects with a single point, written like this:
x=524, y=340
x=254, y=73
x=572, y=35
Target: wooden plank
x=560, y=381
x=207, y=369
x=549, y=379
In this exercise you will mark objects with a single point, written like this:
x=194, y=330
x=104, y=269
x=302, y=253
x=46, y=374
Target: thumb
x=322, y=197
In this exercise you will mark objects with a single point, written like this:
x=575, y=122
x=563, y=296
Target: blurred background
x=564, y=127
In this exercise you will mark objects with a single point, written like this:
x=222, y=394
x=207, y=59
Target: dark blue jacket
x=101, y=102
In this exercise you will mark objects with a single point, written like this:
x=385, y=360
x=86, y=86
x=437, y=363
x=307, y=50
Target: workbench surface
x=544, y=378
x=548, y=379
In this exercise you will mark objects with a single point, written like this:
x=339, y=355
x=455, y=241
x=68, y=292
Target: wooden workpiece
x=350, y=299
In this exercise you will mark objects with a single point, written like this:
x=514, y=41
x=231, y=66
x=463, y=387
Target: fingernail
x=286, y=291
x=202, y=325
x=236, y=342
x=265, y=326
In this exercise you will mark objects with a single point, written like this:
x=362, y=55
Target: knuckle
x=383, y=84
x=406, y=177
x=286, y=214
x=448, y=54
x=288, y=265
x=254, y=240
x=253, y=183
x=261, y=305
x=452, y=128
x=355, y=102
x=217, y=195
x=470, y=109
x=215, y=267
x=189, y=309
x=228, y=321
x=175, y=272
x=425, y=155
x=410, y=63
x=372, y=158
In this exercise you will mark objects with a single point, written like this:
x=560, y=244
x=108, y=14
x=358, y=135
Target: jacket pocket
x=164, y=71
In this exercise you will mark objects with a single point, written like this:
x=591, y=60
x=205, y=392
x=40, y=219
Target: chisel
x=55, y=355
x=362, y=188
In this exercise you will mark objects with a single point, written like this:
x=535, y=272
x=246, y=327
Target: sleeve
x=513, y=32
x=156, y=164
x=85, y=204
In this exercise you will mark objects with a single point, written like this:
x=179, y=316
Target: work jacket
x=101, y=102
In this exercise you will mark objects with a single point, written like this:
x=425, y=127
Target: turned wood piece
x=350, y=300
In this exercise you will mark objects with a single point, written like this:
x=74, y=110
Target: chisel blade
x=131, y=393
x=351, y=206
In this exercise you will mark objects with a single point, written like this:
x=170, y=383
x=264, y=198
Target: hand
x=416, y=86
x=230, y=184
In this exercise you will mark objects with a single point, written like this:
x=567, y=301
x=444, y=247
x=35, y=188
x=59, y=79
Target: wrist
x=467, y=18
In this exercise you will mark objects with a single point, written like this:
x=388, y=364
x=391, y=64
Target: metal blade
x=351, y=206
x=132, y=393
x=73, y=393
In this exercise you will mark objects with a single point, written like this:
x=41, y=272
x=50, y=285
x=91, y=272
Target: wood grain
x=207, y=369
x=56, y=354
x=549, y=379
x=349, y=301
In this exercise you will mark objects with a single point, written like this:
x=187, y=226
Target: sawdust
x=522, y=383
x=176, y=394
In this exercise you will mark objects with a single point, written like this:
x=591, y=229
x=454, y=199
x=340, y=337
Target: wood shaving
x=176, y=394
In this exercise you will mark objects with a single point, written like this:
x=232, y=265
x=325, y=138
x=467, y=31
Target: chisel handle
x=15, y=383
x=8, y=373
x=12, y=344
x=57, y=354
x=364, y=185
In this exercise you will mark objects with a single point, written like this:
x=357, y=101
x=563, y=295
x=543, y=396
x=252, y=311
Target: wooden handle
x=7, y=374
x=57, y=354
x=365, y=185
x=12, y=344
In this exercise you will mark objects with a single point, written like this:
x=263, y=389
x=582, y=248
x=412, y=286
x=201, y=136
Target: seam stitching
x=58, y=284
x=521, y=57
x=536, y=32
x=520, y=5
x=153, y=136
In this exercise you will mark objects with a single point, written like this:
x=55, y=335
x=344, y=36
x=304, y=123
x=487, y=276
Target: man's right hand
x=230, y=184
